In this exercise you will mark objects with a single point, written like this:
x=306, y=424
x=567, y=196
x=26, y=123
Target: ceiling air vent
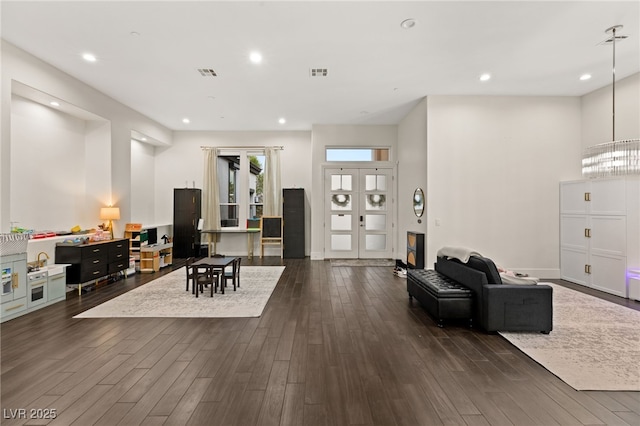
x=207, y=72
x=318, y=72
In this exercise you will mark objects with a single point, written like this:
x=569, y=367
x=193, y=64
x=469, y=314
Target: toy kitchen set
x=27, y=285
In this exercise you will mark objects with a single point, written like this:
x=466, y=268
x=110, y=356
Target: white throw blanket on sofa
x=461, y=253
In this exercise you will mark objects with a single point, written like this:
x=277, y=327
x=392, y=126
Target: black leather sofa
x=495, y=306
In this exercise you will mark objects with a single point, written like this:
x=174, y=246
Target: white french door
x=358, y=213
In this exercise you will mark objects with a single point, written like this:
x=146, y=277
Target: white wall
x=182, y=165
x=22, y=67
x=412, y=174
x=597, y=112
x=48, y=168
x=324, y=136
x=143, y=183
x=494, y=165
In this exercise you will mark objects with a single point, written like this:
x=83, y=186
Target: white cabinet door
x=608, y=197
x=608, y=235
x=608, y=273
x=593, y=234
x=572, y=265
x=572, y=232
x=572, y=197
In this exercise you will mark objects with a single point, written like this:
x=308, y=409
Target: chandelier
x=615, y=158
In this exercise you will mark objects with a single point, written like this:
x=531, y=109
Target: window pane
x=341, y=182
x=376, y=182
x=376, y=222
x=357, y=154
x=340, y=242
x=341, y=222
x=228, y=179
x=376, y=242
x=341, y=202
x=375, y=201
x=228, y=215
x=256, y=185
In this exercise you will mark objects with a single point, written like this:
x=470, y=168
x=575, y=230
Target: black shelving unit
x=186, y=214
x=293, y=223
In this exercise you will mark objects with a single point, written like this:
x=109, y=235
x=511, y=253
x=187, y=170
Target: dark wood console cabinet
x=95, y=260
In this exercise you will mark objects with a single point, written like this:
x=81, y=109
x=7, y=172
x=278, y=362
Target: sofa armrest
x=518, y=307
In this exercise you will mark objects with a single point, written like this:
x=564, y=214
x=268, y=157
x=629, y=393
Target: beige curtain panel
x=272, y=187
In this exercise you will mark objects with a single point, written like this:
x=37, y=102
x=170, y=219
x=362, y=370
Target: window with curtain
x=241, y=186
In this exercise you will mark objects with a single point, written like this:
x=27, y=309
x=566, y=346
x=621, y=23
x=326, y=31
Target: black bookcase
x=293, y=222
x=186, y=214
x=415, y=250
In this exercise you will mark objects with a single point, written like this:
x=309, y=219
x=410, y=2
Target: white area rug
x=166, y=297
x=594, y=344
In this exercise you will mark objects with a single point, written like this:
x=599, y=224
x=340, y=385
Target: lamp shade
x=110, y=213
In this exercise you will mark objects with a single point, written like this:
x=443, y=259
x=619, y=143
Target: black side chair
x=233, y=274
x=187, y=266
x=204, y=276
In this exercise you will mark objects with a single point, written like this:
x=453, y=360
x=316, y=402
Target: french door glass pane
x=376, y=201
x=375, y=183
x=376, y=222
x=341, y=183
x=341, y=222
x=341, y=202
x=341, y=242
x=376, y=242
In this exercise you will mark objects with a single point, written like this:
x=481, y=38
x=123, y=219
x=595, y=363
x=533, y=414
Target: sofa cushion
x=486, y=265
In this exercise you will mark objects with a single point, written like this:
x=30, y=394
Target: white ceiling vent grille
x=207, y=72
x=318, y=72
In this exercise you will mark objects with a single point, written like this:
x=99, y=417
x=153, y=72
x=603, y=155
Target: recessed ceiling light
x=186, y=120
x=89, y=57
x=143, y=139
x=54, y=103
x=255, y=57
x=585, y=77
x=485, y=77
x=282, y=121
x=408, y=23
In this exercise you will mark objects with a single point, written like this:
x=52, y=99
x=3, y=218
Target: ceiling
x=149, y=52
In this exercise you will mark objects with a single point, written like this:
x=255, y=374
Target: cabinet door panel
x=608, y=197
x=572, y=197
x=57, y=287
x=608, y=274
x=572, y=231
x=608, y=235
x=572, y=265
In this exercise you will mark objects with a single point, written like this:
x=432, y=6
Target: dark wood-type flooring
x=334, y=346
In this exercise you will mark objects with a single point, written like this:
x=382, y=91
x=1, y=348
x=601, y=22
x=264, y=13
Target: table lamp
x=110, y=214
